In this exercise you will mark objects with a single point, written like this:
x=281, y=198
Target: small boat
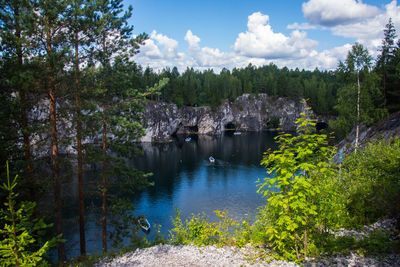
x=237, y=133
x=211, y=159
x=144, y=224
x=188, y=139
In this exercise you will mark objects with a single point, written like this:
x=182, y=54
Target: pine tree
x=51, y=40
x=114, y=44
x=80, y=33
x=385, y=63
x=15, y=30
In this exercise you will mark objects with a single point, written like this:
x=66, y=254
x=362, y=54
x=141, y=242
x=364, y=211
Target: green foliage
x=195, y=88
x=377, y=242
x=358, y=98
x=198, y=231
x=369, y=182
x=299, y=190
x=18, y=247
x=386, y=68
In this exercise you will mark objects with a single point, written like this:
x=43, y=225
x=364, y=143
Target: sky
x=216, y=34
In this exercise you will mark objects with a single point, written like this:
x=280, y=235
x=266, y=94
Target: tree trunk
x=358, y=112
x=79, y=149
x=305, y=243
x=54, y=144
x=104, y=191
x=23, y=107
x=384, y=86
x=296, y=246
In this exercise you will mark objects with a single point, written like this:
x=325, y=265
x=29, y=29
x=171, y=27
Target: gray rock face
x=386, y=129
x=246, y=113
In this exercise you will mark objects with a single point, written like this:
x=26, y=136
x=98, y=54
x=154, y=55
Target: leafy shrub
x=378, y=242
x=198, y=231
x=300, y=191
x=370, y=182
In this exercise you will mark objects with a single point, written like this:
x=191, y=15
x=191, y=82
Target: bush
x=300, y=190
x=198, y=231
x=370, y=182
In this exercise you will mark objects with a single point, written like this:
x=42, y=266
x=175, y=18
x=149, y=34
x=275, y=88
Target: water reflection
x=185, y=179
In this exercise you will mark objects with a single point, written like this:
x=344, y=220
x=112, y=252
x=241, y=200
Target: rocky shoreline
x=188, y=255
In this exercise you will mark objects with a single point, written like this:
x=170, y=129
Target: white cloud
x=259, y=45
x=170, y=45
x=150, y=49
x=302, y=26
x=369, y=31
x=353, y=19
x=192, y=39
x=338, y=12
x=205, y=56
x=261, y=41
x=370, y=28
x=329, y=59
x=159, y=52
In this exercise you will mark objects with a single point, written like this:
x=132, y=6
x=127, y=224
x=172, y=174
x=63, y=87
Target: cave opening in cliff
x=192, y=129
x=321, y=126
x=230, y=126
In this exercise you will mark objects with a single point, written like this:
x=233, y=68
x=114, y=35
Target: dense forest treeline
x=207, y=88
x=68, y=83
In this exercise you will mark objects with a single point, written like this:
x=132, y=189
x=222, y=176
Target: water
x=186, y=180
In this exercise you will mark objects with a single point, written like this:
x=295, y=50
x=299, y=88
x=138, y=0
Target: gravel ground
x=168, y=255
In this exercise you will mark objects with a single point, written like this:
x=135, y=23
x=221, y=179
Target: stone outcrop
x=247, y=113
x=386, y=129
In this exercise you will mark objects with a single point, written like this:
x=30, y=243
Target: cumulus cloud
x=150, y=49
x=352, y=19
x=192, y=39
x=259, y=45
x=370, y=28
x=170, y=46
x=205, y=56
x=160, y=51
x=331, y=13
x=261, y=41
x=301, y=26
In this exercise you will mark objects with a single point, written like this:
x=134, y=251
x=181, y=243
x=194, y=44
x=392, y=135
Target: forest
x=69, y=65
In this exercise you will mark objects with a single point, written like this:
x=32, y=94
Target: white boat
x=188, y=139
x=211, y=159
x=237, y=133
x=144, y=224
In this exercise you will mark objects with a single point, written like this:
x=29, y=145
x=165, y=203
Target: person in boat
x=211, y=159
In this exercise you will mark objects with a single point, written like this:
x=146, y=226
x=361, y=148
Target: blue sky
x=231, y=33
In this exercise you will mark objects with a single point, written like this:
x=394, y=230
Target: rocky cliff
x=247, y=113
x=386, y=129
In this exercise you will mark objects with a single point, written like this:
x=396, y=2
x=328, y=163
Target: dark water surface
x=185, y=179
